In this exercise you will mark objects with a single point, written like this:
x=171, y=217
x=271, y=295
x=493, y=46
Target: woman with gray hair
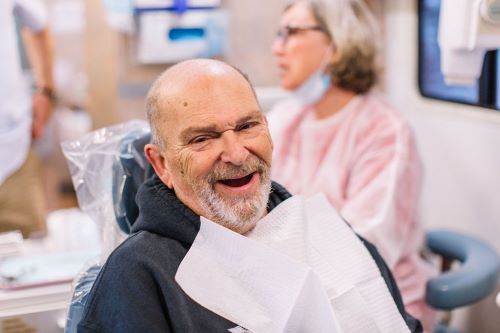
x=336, y=136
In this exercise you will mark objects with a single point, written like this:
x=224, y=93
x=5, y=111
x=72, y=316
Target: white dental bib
x=301, y=269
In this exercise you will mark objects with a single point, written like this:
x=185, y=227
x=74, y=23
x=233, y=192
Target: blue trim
x=186, y=34
x=139, y=11
x=181, y=6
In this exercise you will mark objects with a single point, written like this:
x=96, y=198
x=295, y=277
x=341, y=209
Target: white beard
x=236, y=213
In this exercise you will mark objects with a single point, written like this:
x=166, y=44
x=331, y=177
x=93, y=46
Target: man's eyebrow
x=187, y=133
x=253, y=116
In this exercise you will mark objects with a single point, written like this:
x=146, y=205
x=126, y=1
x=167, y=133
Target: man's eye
x=199, y=139
x=247, y=125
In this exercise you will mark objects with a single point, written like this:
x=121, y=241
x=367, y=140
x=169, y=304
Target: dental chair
x=474, y=279
x=129, y=169
x=107, y=167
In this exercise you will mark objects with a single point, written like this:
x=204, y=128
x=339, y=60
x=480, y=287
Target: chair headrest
x=130, y=170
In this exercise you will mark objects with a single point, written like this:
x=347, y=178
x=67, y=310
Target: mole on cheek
x=185, y=104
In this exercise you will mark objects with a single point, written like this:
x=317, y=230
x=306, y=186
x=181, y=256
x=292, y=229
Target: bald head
x=187, y=84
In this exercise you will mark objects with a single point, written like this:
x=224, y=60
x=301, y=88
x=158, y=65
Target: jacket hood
x=161, y=212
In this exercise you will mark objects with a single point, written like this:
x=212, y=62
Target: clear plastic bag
x=107, y=166
x=95, y=164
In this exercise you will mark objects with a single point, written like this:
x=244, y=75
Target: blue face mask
x=311, y=91
x=315, y=87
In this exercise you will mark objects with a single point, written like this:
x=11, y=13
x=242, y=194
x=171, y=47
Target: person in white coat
x=23, y=114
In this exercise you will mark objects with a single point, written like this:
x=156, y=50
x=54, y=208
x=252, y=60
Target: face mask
x=311, y=91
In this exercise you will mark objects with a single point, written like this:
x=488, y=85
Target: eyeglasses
x=285, y=32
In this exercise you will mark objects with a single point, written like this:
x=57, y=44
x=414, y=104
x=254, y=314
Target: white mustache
x=222, y=172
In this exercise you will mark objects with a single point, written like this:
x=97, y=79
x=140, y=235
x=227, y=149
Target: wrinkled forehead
x=216, y=99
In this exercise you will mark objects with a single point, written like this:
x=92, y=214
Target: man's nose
x=233, y=150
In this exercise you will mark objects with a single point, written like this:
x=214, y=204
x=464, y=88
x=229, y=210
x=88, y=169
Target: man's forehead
x=212, y=95
x=204, y=89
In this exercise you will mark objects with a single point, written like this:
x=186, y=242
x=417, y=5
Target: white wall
x=459, y=145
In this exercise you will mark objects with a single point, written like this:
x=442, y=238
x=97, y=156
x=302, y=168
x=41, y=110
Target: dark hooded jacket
x=136, y=291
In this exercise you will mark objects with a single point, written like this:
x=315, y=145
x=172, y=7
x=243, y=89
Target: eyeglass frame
x=285, y=32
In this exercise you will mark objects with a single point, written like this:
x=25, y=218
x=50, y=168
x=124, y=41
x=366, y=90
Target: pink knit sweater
x=364, y=159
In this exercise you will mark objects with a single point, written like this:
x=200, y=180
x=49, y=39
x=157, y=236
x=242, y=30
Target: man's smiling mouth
x=237, y=182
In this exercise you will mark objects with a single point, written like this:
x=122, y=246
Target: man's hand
x=42, y=109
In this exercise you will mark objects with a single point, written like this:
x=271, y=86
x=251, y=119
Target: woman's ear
x=159, y=163
x=335, y=54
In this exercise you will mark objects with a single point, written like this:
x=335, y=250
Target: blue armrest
x=79, y=298
x=476, y=277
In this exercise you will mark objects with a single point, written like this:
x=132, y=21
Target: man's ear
x=159, y=163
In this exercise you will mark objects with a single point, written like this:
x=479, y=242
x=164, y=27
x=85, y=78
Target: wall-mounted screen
x=485, y=92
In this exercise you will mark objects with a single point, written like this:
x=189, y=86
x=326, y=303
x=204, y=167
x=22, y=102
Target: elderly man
x=218, y=246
